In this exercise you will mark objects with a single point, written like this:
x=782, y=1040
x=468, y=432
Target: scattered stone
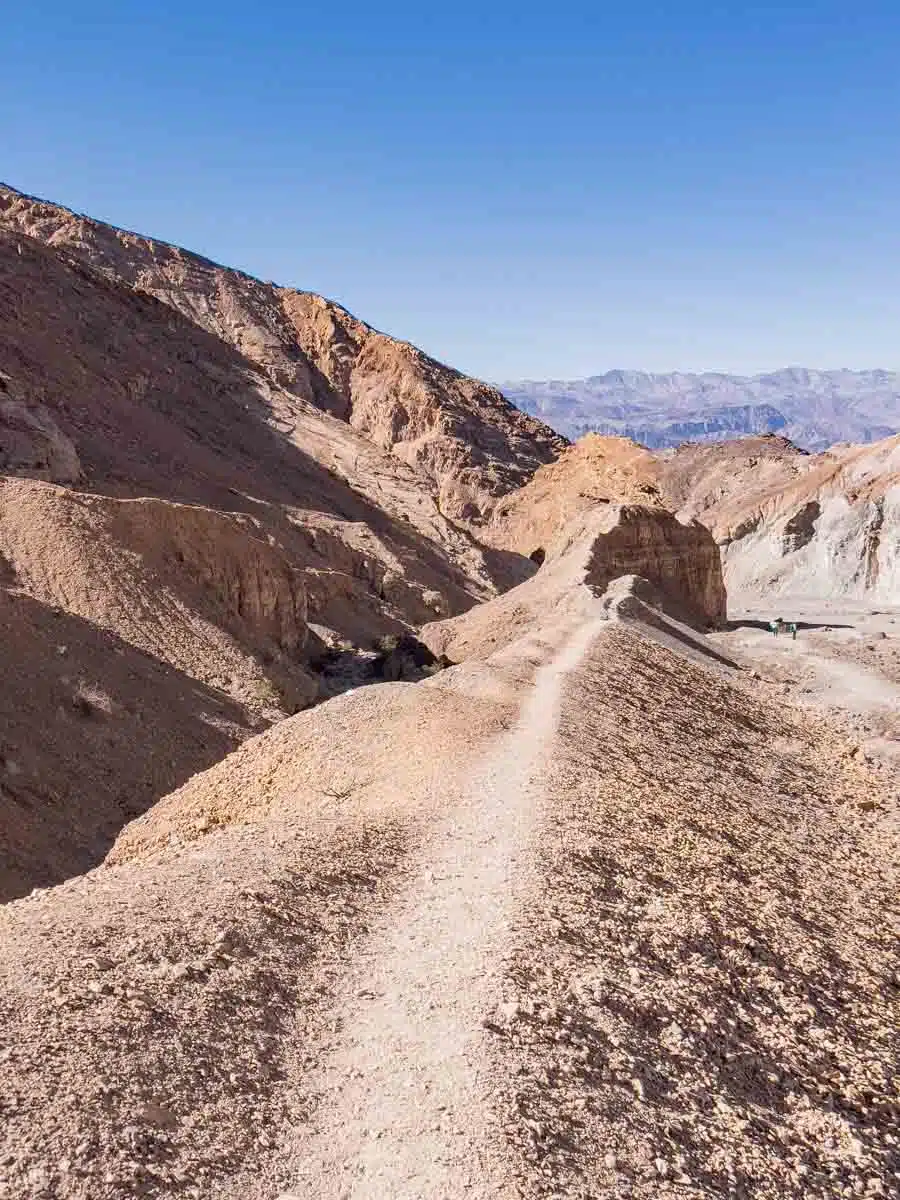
x=157, y=1114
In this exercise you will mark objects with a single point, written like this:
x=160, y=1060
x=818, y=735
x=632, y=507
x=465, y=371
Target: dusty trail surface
x=404, y=1110
x=606, y=921
x=845, y=660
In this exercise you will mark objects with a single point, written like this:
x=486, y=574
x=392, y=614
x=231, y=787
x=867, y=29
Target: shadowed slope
x=470, y=443
x=92, y=732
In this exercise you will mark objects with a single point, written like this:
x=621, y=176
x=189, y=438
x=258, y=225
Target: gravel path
x=845, y=661
x=403, y=1107
x=587, y=923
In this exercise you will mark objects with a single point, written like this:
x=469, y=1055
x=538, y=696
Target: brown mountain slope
x=468, y=441
x=140, y=402
x=148, y=488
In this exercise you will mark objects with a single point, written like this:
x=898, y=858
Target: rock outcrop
x=823, y=526
x=680, y=558
x=595, y=514
x=465, y=438
x=786, y=522
x=598, y=545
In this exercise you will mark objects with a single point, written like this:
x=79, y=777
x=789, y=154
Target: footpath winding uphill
x=594, y=912
x=595, y=916
x=406, y=1088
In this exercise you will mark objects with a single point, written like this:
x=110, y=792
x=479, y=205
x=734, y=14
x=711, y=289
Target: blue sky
x=524, y=190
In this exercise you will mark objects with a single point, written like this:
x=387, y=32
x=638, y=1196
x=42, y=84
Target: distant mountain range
x=814, y=409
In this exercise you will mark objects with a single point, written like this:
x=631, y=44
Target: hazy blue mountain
x=814, y=409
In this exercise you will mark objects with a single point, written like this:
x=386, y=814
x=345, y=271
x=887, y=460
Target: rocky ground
x=590, y=919
x=844, y=660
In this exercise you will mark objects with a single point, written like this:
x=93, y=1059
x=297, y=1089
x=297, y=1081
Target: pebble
x=509, y=1010
x=157, y=1114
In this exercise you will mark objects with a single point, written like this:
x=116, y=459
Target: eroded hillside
x=467, y=441
x=787, y=523
x=792, y=524
x=168, y=486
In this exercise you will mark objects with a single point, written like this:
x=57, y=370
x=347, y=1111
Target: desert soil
x=845, y=660
x=593, y=919
x=408, y=1073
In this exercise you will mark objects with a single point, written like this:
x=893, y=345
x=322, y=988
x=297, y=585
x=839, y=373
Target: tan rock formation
x=590, y=517
x=469, y=442
x=787, y=523
x=200, y=590
x=793, y=524
x=679, y=558
x=599, y=545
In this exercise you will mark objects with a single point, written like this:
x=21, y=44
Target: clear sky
x=524, y=190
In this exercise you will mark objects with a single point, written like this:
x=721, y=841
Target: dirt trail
x=402, y=1112
x=843, y=660
x=599, y=922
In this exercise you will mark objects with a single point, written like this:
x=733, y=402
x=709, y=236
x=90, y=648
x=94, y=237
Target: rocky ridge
x=470, y=443
x=672, y=986
x=679, y=561
x=813, y=408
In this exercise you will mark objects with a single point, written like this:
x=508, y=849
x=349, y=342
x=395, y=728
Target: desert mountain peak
x=462, y=435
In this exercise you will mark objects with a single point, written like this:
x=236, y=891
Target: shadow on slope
x=156, y=406
x=92, y=733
